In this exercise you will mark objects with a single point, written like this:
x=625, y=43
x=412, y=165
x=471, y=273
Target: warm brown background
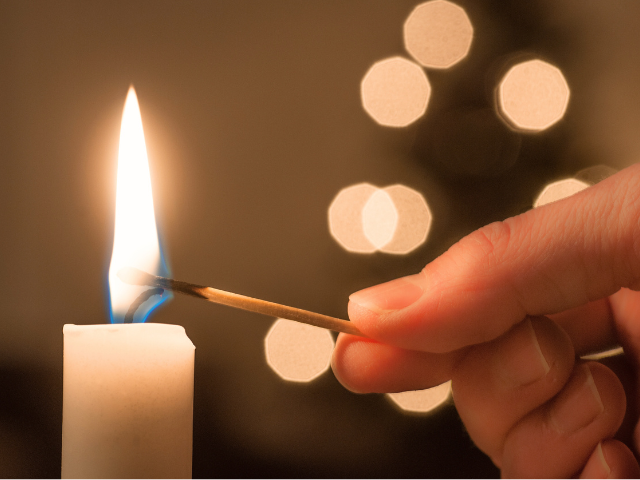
x=253, y=123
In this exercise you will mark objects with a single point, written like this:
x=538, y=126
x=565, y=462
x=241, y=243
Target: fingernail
x=578, y=405
x=520, y=360
x=602, y=460
x=597, y=466
x=394, y=295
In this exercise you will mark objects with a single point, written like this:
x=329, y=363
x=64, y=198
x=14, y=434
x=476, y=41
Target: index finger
x=544, y=261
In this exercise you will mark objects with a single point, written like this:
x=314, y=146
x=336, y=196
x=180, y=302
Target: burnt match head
x=133, y=276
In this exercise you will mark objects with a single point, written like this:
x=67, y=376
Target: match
x=133, y=276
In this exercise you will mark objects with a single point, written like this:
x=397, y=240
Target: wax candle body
x=127, y=401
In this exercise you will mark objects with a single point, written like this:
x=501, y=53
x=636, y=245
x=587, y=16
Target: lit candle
x=128, y=388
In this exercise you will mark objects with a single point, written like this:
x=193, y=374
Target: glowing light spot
x=345, y=218
x=395, y=92
x=379, y=218
x=365, y=219
x=421, y=401
x=533, y=95
x=298, y=352
x=414, y=220
x=438, y=34
x=559, y=190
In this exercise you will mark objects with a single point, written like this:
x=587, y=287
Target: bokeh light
x=438, y=34
x=414, y=220
x=365, y=219
x=345, y=218
x=533, y=95
x=298, y=352
x=395, y=92
x=559, y=190
x=421, y=401
x=379, y=219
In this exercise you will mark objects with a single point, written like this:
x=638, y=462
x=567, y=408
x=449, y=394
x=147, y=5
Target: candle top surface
x=143, y=332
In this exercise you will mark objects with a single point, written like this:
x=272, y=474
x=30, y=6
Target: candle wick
x=137, y=303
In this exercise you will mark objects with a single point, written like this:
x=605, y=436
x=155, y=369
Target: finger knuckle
x=489, y=245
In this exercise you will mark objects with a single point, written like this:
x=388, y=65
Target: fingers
x=611, y=459
x=545, y=261
x=521, y=397
x=500, y=382
x=366, y=366
x=494, y=384
x=558, y=439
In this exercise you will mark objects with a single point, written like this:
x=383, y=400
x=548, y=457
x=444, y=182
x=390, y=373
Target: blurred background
x=257, y=115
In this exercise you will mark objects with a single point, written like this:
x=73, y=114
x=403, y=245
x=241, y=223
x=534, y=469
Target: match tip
x=133, y=276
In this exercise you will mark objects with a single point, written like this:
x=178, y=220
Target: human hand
x=476, y=315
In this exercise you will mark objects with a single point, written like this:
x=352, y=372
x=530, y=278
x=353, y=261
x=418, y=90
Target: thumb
x=544, y=261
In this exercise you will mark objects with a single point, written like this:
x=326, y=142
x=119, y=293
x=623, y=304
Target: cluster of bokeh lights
x=532, y=96
x=366, y=219
x=395, y=91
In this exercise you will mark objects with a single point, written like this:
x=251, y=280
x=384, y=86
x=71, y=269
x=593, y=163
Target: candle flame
x=135, y=241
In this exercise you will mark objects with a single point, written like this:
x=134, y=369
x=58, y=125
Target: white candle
x=128, y=388
x=128, y=401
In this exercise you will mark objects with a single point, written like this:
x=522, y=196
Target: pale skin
x=505, y=314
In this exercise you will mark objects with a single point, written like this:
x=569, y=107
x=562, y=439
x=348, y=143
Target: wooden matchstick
x=134, y=276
